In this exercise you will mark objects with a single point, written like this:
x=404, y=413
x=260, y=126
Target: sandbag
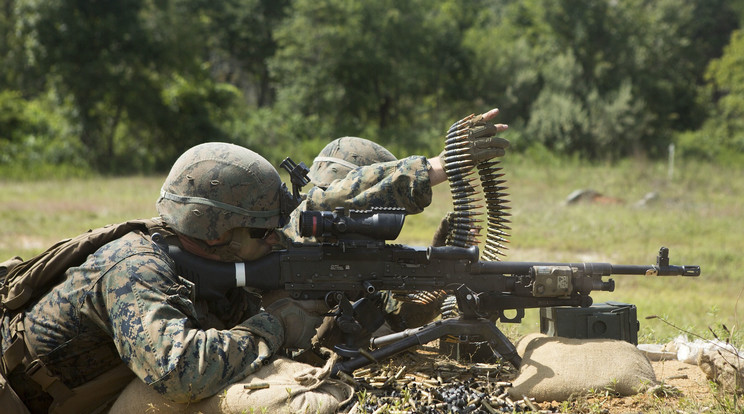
x=293, y=387
x=555, y=368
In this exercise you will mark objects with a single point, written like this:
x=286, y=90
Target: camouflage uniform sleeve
x=402, y=183
x=154, y=329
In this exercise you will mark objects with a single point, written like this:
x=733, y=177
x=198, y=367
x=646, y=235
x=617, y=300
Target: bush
x=36, y=140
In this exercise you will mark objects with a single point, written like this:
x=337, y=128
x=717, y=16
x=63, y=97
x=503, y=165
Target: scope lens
x=312, y=223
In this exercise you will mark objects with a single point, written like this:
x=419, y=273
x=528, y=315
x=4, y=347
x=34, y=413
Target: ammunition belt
x=466, y=187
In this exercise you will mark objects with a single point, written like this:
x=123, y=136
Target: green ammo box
x=612, y=320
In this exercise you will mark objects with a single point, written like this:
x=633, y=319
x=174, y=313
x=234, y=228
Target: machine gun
x=353, y=263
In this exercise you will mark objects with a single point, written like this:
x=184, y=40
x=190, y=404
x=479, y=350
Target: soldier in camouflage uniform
x=405, y=183
x=126, y=305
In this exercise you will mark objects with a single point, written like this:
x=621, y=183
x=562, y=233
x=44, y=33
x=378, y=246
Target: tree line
x=124, y=86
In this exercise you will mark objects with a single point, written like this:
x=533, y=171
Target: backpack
x=22, y=281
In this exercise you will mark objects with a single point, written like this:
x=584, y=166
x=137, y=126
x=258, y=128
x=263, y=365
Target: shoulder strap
x=31, y=278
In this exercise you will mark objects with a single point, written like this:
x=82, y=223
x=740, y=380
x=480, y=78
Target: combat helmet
x=343, y=155
x=215, y=187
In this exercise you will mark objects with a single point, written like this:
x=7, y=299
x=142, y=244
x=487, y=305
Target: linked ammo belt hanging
x=467, y=188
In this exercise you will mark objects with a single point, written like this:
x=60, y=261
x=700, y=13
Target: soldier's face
x=243, y=244
x=252, y=248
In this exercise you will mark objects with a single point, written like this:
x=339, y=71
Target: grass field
x=697, y=215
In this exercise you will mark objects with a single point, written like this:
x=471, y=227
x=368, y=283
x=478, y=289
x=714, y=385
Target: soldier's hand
x=474, y=138
x=328, y=334
x=300, y=319
x=482, y=135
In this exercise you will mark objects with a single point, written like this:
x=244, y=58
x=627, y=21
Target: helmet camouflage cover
x=343, y=155
x=215, y=187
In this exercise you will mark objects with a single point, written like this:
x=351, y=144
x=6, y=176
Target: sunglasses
x=259, y=233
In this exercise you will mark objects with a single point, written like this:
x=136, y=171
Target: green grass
x=35, y=214
x=697, y=216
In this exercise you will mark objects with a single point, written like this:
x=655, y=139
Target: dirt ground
x=427, y=378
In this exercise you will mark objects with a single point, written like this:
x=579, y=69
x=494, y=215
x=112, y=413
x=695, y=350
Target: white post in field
x=670, y=170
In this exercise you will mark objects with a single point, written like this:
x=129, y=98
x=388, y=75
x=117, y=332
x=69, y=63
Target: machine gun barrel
x=661, y=268
x=596, y=269
x=654, y=270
